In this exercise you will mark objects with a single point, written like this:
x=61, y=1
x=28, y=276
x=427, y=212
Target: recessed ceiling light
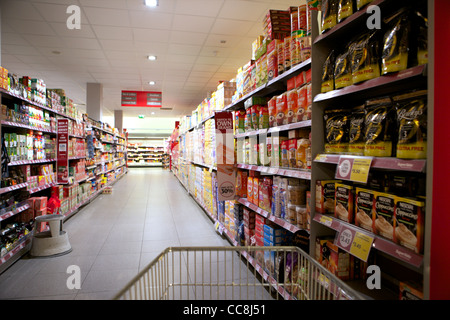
x=152, y=58
x=153, y=113
x=151, y=3
x=152, y=83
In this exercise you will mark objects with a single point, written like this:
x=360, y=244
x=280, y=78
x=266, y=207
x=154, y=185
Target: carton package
x=325, y=196
x=344, y=202
x=410, y=217
x=364, y=208
x=410, y=291
x=384, y=215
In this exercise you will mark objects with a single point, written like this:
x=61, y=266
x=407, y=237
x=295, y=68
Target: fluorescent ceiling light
x=152, y=83
x=152, y=58
x=151, y=3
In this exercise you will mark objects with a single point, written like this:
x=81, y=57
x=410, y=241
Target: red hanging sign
x=150, y=99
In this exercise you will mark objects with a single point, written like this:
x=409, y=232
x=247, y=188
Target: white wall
x=134, y=125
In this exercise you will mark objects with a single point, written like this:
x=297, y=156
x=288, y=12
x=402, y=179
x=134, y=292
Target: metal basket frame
x=229, y=273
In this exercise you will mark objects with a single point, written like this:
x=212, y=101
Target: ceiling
x=197, y=44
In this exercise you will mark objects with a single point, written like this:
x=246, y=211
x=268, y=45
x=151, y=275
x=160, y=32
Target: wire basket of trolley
x=235, y=273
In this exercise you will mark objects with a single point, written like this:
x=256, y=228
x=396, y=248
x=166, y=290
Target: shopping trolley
x=231, y=273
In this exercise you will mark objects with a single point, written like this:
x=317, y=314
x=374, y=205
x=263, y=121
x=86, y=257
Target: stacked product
x=209, y=143
x=293, y=151
x=37, y=207
x=29, y=147
x=402, y=44
x=77, y=148
x=249, y=219
x=12, y=234
x=207, y=194
x=30, y=116
x=38, y=176
x=390, y=206
x=339, y=262
x=289, y=201
x=77, y=170
x=229, y=218
x=4, y=79
x=382, y=127
x=273, y=235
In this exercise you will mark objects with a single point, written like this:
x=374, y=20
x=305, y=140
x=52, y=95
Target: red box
x=40, y=203
x=272, y=59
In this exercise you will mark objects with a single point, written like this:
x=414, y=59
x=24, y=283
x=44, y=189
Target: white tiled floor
x=114, y=237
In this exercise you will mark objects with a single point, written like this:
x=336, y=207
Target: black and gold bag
x=412, y=125
x=379, y=126
x=345, y=9
x=356, y=131
x=336, y=131
x=364, y=57
x=329, y=14
x=362, y=3
x=328, y=74
x=396, y=43
x=342, y=71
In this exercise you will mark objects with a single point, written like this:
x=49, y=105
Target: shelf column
x=438, y=173
x=118, y=120
x=94, y=100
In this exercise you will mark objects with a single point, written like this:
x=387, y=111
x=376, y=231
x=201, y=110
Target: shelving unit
x=398, y=263
x=144, y=155
x=46, y=127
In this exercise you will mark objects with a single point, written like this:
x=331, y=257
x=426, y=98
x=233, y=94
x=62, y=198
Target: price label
x=354, y=242
x=326, y=220
x=360, y=169
x=320, y=158
x=354, y=169
x=361, y=246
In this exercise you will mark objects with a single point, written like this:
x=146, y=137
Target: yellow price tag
x=320, y=157
x=326, y=220
x=360, y=169
x=361, y=246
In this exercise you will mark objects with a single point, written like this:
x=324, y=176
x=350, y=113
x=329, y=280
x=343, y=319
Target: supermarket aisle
x=114, y=237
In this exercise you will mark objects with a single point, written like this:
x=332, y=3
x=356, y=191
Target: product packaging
x=329, y=14
x=364, y=56
x=345, y=10
x=325, y=196
x=379, y=128
x=336, y=131
x=344, y=202
x=364, y=208
x=410, y=219
x=356, y=131
x=396, y=42
x=384, y=215
x=412, y=126
x=328, y=73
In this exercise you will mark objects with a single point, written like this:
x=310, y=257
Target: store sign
x=150, y=99
x=226, y=174
x=353, y=168
x=62, y=164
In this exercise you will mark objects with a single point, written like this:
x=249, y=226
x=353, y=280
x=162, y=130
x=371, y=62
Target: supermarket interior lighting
x=151, y=3
x=152, y=83
x=151, y=58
